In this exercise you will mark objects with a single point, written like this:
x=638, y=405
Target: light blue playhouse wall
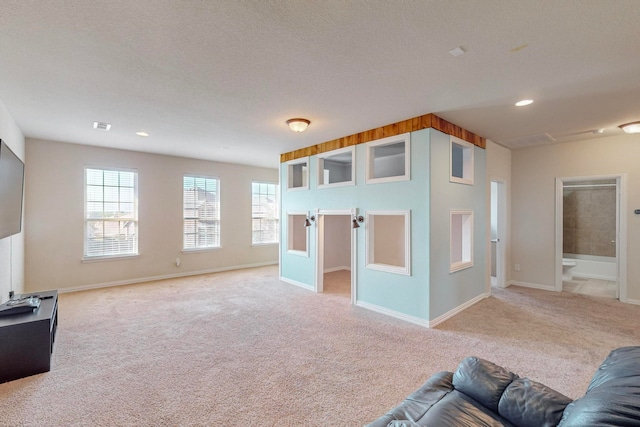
x=408, y=297
x=451, y=290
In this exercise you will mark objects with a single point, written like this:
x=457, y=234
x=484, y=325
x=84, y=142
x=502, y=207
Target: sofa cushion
x=528, y=403
x=483, y=381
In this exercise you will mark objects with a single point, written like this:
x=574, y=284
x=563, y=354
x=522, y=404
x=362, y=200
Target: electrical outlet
x=178, y=262
x=516, y=267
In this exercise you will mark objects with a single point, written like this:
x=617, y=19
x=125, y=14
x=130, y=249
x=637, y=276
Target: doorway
x=498, y=233
x=591, y=235
x=335, y=272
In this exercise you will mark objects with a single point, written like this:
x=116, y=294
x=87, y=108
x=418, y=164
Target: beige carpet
x=243, y=349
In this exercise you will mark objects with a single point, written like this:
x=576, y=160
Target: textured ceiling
x=218, y=79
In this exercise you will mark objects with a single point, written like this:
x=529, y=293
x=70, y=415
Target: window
x=461, y=161
x=201, y=210
x=389, y=159
x=111, y=213
x=335, y=168
x=297, y=234
x=298, y=174
x=264, y=213
x=388, y=242
x=461, y=240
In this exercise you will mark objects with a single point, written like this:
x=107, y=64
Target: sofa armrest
x=418, y=403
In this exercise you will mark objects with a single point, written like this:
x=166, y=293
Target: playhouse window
x=461, y=225
x=388, y=245
x=461, y=161
x=388, y=159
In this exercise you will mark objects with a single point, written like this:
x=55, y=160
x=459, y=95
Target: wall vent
x=529, y=141
x=101, y=126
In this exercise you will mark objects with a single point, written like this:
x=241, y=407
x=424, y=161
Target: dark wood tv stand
x=26, y=340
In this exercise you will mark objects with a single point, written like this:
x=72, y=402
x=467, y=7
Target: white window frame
x=467, y=161
x=370, y=243
x=462, y=238
x=305, y=177
x=290, y=235
x=370, y=161
x=202, y=247
x=132, y=218
x=275, y=218
x=320, y=158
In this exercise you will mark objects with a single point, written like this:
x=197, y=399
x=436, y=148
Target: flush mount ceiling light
x=524, y=102
x=142, y=133
x=633, y=127
x=298, y=125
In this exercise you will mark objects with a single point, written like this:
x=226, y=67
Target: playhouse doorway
x=335, y=272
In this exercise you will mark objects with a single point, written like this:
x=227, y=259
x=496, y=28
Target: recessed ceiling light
x=524, y=102
x=141, y=133
x=101, y=126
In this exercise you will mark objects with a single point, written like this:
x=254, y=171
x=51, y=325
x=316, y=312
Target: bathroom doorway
x=591, y=235
x=335, y=272
x=498, y=233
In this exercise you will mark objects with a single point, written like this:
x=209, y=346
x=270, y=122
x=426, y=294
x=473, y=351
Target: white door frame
x=319, y=264
x=501, y=265
x=621, y=228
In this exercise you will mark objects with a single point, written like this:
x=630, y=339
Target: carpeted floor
x=244, y=349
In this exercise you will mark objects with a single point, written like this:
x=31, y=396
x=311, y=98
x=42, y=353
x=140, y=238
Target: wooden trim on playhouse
x=409, y=125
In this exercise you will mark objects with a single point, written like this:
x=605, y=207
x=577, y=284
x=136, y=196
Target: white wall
x=533, y=204
x=499, y=166
x=54, y=215
x=12, y=247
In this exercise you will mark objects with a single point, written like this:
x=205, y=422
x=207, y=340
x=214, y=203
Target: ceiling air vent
x=101, y=126
x=529, y=141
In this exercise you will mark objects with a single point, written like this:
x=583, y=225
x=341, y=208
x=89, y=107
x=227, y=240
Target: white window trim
x=304, y=253
x=406, y=270
x=294, y=162
x=467, y=166
x=320, y=167
x=87, y=259
x=406, y=138
x=218, y=193
x=467, y=236
x=277, y=193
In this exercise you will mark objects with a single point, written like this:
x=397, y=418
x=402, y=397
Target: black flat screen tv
x=11, y=188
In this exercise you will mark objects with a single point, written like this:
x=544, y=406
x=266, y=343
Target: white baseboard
x=296, y=283
x=457, y=310
x=162, y=277
x=532, y=285
x=392, y=313
x=417, y=320
x=633, y=301
x=332, y=269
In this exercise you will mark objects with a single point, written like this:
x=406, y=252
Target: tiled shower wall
x=589, y=221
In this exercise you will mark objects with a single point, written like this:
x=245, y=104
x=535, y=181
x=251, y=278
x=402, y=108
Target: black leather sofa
x=480, y=393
